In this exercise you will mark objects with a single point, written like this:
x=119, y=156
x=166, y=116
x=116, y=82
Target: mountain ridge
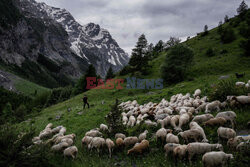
x=53, y=34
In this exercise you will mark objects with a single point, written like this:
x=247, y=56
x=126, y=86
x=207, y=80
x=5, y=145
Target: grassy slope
x=28, y=88
x=205, y=71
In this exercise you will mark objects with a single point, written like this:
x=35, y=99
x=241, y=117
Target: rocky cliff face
x=47, y=41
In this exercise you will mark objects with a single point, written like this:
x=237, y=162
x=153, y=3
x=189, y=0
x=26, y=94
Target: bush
x=178, y=60
x=126, y=70
x=114, y=119
x=225, y=88
x=20, y=112
x=244, y=30
x=15, y=149
x=245, y=45
x=210, y=52
x=227, y=35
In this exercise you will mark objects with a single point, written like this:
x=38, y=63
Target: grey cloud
x=158, y=19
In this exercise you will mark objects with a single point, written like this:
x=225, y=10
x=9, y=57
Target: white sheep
x=201, y=108
x=243, y=99
x=131, y=121
x=49, y=126
x=197, y=92
x=150, y=123
x=201, y=148
x=68, y=140
x=62, y=130
x=233, y=142
x=216, y=158
x=161, y=133
x=240, y=84
x=243, y=146
x=86, y=140
x=56, y=129
x=93, y=133
x=174, y=120
x=70, y=152
x=195, y=125
x=180, y=152
x=124, y=119
x=171, y=138
x=193, y=134
x=59, y=147
x=169, y=147
x=130, y=141
x=215, y=105
x=110, y=144
x=97, y=143
x=229, y=116
x=202, y=118
x=143, y=135
x=184, y=119
x=225, y=133
x=104, y=127
x=45, y=133
x=120, y=135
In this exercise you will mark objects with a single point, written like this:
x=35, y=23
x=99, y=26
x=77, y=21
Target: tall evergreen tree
x=82, y=82
x=226, y=19
x=159, y=46
x=242, y=8
x=138, y=53
x=172, y=42
x=205, y=30
x=110, y=74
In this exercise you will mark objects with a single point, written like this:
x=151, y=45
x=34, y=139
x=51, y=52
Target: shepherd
x=85, y=101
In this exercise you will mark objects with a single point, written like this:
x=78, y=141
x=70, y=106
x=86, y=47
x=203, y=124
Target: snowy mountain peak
x=90, y=42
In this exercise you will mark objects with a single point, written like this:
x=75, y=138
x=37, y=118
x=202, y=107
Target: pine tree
x=242, y=8
x=159, y=46
x=226, y=19
x=82, y=82
x=110, y=74
x=138, y=53
x=205, y=30
x=172, y=42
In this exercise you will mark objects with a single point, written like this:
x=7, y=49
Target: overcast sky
x=157, y=19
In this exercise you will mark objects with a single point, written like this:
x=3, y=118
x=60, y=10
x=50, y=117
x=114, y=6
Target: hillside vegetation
x=204, y=74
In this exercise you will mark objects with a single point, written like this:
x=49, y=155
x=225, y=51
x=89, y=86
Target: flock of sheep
x=173, y=116
x=60, y=141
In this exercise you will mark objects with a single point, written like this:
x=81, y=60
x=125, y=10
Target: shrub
x=244, y=30
x=178, y=60
x=113, y=119
x=245, y=45
x=225, y=88
x=126, y=70
x=15, y=149
x=210, y=52
x=20, y=112
x=227, y=35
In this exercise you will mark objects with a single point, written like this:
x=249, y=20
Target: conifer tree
x=110, y=74
x=82, y=82
x=242, y=8
x=138, y=53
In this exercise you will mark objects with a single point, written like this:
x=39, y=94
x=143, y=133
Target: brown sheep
x=139, y=148
x=219, y=121
x=119, y=142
